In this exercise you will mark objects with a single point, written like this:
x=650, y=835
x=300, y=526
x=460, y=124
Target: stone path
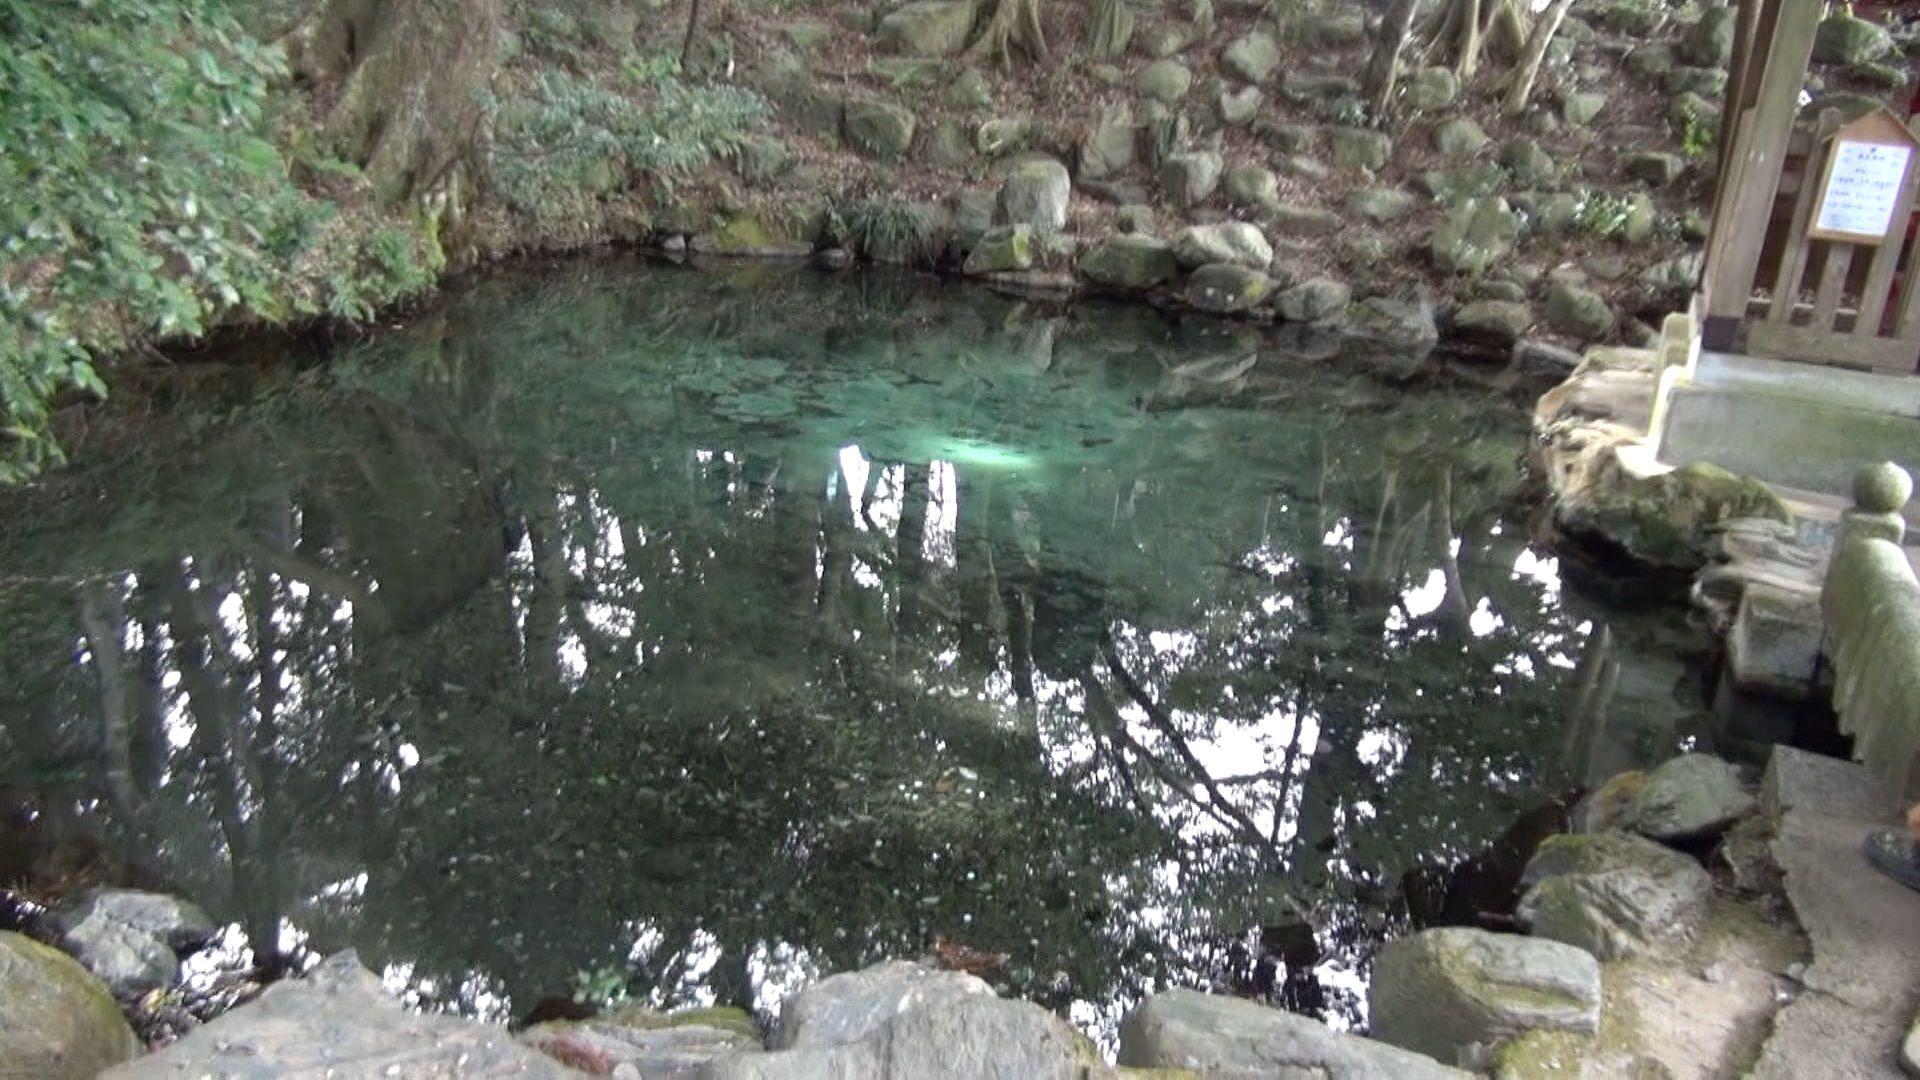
x=1864, y=979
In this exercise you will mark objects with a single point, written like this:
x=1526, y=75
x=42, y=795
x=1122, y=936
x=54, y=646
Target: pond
x=686, y=635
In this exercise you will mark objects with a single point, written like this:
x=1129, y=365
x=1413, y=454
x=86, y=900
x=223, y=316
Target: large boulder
x=1130, y=261
x=56, y=1021
x=1451, y=992
x=1252, y=56
x=1475, y=234
x=1035, y=193
x=928, y=27
x=128, y=938
x=966, y=1037
x=651, y=1044
x=1226, y=289
x=1190, y=178
x=1664, y=521
x=1691, y=797
x=1236, y=242
x=854, y=1005
x=881, y=129
x=337, y=1020
x=1844, y=39
x=1613, y=894
x=1228, y=1037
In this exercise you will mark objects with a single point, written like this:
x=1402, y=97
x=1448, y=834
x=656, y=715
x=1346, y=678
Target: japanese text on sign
x=1862, y=186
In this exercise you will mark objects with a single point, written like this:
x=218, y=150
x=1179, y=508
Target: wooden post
x=1740, y=223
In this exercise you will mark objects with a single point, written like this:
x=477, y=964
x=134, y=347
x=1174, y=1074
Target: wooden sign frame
x=1877, y=128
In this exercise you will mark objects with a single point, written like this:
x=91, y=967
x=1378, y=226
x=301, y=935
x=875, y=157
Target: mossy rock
x=1165, y=81
x=928, y=27
x=1433, y=88
x=1223, y=288
x=1475, y=234
x=880, y=129
x=56, y=1021
x=1459, y=137
x=1380, y=204
x=1665, y=521
x=1359, y=148
x=1709, y=42
x=1844, y=39
x=1130, y=262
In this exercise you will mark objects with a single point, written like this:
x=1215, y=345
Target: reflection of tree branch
x=368, y=609
x=1103, y=708
x=103, y=619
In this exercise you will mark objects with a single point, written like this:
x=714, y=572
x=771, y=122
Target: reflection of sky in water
x=724, y=654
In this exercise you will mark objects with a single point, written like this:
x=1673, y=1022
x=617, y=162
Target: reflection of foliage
x=635, y=694
x=603, y=987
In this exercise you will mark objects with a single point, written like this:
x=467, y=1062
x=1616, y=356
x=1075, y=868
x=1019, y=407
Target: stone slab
x=1863, y=983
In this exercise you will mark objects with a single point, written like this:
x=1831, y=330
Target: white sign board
x=1863, y=183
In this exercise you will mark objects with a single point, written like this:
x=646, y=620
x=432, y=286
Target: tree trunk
x=1013, y=24
x=1468, y=60
x=1112, y=29
x=1383, y=70
x=411, y=75
x=1528, y=69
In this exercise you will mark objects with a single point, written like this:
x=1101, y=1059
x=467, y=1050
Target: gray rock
x=1613, y=894
x=1236, y=242
x=1452, y=992
x=1342, y=26
x=1288, y=138
x=1224, y=288
x=1710, y=82
x=1288, y=219
x=1359, y=148
x=1475, y=234
x=1008, y=247
x=1710, y=41
x=1528, y=162
x=881, y=129
x=1544, y=358
x=1309, y=86
x=56, y=1021
x=1190, y=178
x=1651, y=62
x=1433, y=88
x=1380, y=205
x=1238, y=107
x=1407, y=323
x=1843, y=39
x=128, y=938
x=1111, y=146
x=1465, y=182
x=338, y=1020
x=948, y=146
x=1656, y=167
x=855, y=1005
x=1579, y=109
x=970, y=90
x=1003, y=135
x=1036, y=193
x=652, y=1045
x=1635, y=18
x=1578, y=313
x=973, y=213
x=1252, y=56
x=970, y=1037
x=1165, y=81
x=1251, y=185
x=1307, y=168
x=1690, y=797
x=1688, y=109
x=1316, y=300
x=928, y=27
x=1499, y=289
x=1501, y=321
x=1129, y=261
x=1235, y=1039
x=1459, y=137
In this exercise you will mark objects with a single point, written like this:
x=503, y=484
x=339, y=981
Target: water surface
x=696, y=633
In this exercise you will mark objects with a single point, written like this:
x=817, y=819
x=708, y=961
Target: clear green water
x=710, y=631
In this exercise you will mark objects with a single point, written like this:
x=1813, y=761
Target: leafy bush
x=566, y=138
x=1603, y=214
